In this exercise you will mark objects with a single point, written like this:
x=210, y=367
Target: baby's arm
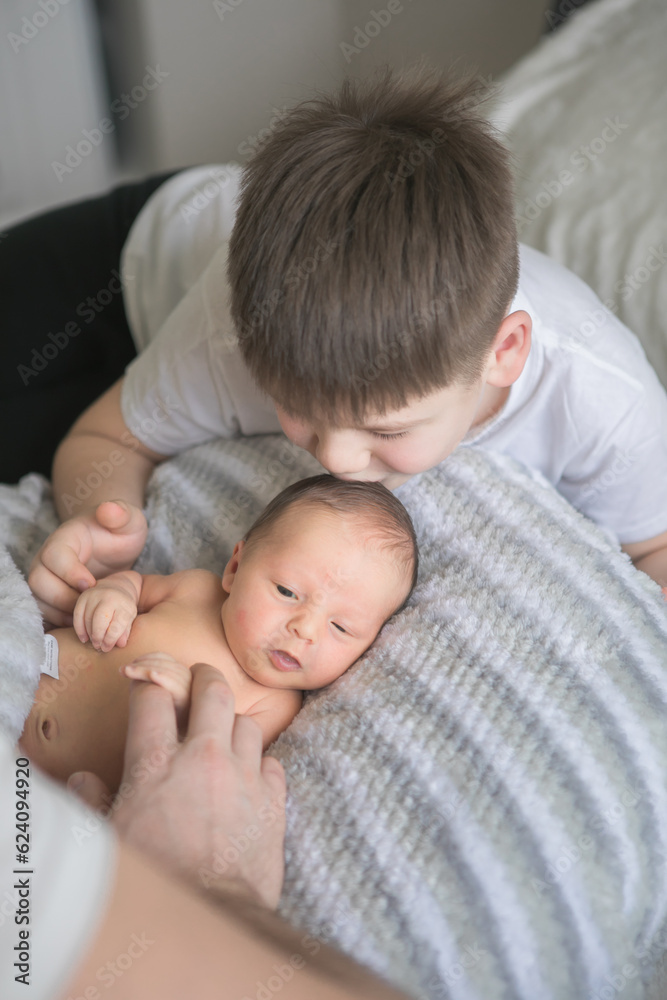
x=93, y=541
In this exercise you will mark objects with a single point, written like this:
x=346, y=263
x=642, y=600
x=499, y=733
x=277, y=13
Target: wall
x=232, y=64
x=52, y=87
x=197, y=82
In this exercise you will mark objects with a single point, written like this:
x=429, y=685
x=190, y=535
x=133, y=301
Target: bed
x=478, y=809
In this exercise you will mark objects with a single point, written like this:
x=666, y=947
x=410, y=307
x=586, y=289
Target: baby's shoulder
x=196, y=583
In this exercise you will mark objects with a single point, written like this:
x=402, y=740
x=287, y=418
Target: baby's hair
x=372, y=503
x=374, y=253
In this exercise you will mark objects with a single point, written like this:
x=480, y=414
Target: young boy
x=303, y=595
x=367, y=304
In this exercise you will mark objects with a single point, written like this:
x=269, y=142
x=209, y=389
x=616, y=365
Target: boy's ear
x=230, y=569
x=510, y=349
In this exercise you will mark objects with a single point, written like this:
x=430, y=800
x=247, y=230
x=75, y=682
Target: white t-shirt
x=60, y=896
x=588, y=411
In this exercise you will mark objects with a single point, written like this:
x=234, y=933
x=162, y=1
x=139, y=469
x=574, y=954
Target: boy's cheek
x=297, y=432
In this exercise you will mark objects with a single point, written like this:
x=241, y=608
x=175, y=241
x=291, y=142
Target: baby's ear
x=230, y=569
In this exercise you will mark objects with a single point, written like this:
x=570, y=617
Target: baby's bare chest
x=192, y=633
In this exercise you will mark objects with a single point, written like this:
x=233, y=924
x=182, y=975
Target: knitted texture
x=478, y=808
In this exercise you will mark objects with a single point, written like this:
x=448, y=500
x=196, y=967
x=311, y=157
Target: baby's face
x=309, y=598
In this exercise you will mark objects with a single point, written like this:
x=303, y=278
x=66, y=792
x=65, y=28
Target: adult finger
x=273, y=773
x=90, y=789
x=151, y=731
x=247, y=740
x=211, y=705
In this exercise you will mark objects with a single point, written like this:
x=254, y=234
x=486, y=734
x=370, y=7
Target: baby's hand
x=163, y=669
x=104, y=613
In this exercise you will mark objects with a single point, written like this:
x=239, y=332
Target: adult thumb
x=90, y=789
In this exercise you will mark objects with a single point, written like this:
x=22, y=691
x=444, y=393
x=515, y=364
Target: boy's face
x=306, y=600
x=391, y=447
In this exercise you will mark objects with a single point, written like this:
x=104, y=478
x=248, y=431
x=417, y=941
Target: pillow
x=585, y=115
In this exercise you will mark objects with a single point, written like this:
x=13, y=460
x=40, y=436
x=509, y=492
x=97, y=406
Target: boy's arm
x=650, y=557
x=273, y=714
x=100, y=441
x=99, y=460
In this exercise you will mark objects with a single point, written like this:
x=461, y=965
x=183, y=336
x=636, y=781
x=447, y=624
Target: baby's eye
x=284, y=591
x=389, y=437
x=47, y=729
x=339, y=627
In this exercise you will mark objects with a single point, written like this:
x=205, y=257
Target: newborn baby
x=304, y=594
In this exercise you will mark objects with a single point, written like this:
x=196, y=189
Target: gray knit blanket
x=478, y=808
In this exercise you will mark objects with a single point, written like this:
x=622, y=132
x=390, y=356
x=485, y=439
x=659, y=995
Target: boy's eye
x=339, y=627
x=389, y=437
x=284, y=591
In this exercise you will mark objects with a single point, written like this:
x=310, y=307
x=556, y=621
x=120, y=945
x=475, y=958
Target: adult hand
x=82, y=550
x=210, y=809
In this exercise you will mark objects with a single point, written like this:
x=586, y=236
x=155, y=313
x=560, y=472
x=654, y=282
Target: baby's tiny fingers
x=78, y=621
x=175, y=682
x=136, y=672
x=125, y=638
x=100, y=626
x=92, y=621
x=117, y=628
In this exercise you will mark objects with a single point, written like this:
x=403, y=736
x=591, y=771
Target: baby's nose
x=304, y=625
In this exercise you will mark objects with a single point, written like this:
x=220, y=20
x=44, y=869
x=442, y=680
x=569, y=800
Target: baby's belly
x=87, y=709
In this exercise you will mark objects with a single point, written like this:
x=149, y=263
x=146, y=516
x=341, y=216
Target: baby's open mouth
x=283, y=661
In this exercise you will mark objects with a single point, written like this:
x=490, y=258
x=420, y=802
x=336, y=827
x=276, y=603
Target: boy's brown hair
x=374, y=252
x=387, y=520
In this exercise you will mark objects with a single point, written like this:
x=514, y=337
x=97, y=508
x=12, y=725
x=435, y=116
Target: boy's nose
x=341, y=453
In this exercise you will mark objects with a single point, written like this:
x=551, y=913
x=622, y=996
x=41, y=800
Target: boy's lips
x=283, y=661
